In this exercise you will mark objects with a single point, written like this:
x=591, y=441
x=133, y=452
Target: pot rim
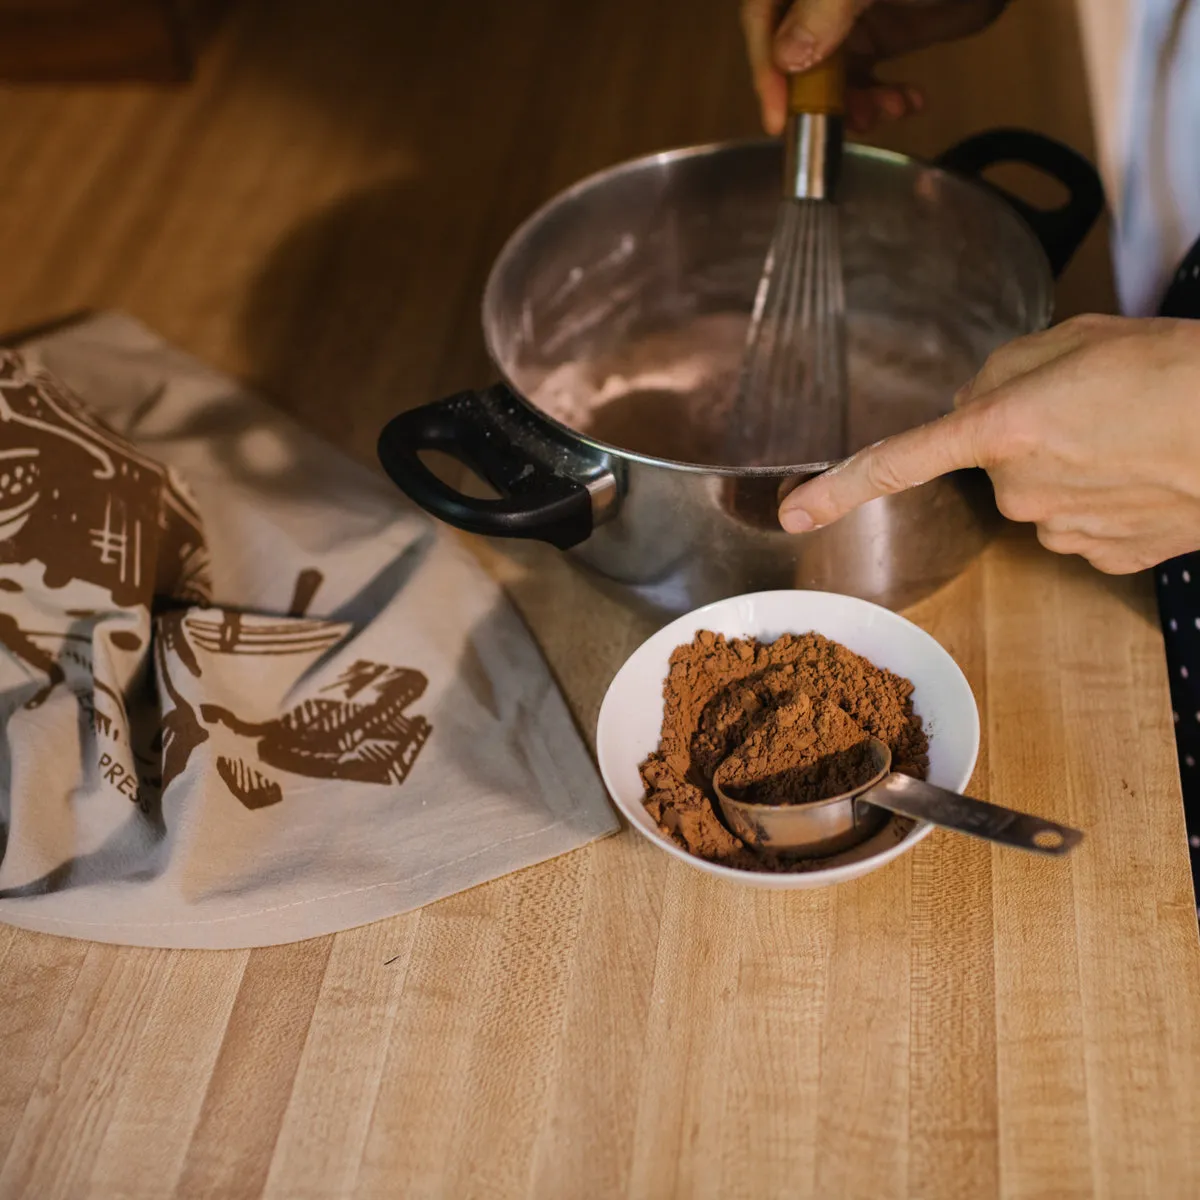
x=678, y=154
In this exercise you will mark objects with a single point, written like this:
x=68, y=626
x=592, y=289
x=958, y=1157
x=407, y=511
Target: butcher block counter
x=317, y=213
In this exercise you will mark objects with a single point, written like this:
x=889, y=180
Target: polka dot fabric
x=1178, y=586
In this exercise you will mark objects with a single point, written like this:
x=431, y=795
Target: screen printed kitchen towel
x=247, y=694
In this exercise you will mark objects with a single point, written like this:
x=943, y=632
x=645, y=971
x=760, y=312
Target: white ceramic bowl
x=631, y=715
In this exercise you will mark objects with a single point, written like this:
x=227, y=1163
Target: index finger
x=758, y=27
x=905, y=461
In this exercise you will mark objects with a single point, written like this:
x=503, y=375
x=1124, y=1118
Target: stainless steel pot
x=645, y=273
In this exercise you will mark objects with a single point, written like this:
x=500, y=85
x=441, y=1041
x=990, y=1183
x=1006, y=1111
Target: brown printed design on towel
x=360, y=732
x=21, y=645
x=357, y=730
x=181, y=731
x=221, y=631
x=83, y=502
x=102, y=520
x=92, y=510
x=251, y=787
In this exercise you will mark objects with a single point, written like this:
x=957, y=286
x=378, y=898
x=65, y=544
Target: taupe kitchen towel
x=247, y=695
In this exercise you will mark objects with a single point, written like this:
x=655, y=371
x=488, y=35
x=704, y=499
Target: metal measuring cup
x=823, y=827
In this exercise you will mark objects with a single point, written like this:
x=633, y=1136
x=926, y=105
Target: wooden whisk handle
x=821, y=90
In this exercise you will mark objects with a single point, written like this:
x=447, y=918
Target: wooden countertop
x=317, y=214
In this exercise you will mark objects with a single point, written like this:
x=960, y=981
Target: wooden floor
x=317, y=214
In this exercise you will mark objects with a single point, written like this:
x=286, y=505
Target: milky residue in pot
x=666, y=393
x=669, y=393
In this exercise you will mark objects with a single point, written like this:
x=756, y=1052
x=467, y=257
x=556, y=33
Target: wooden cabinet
x=81, y=41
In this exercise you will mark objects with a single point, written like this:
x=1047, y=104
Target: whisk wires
x=791, y=402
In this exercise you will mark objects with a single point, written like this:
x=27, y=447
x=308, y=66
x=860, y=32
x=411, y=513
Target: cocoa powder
x=805, y=750
x=793, y=711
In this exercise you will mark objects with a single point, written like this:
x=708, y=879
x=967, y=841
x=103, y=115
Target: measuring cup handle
x=924, y=802
x=1060, y=230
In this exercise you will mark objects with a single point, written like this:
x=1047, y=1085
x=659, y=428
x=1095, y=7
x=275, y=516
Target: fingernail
x=773, y=120
x=795, y=48
x=795, y=520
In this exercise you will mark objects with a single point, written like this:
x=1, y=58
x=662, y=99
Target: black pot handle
x=1060, y=230
x=541, y=476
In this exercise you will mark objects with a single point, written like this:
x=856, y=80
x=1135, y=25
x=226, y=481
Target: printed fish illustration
x=365, y=740
x=249, y=786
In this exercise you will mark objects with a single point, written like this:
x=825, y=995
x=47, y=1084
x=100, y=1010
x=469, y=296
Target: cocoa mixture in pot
x=724, y=696
x=669, y=393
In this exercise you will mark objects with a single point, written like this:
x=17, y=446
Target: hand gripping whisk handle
x=813, y=139
x=821, y=90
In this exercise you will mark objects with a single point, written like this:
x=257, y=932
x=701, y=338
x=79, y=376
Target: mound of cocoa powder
x=724, y=696
x=805, y=750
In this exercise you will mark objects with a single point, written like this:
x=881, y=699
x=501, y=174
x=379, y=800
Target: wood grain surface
x=317, y=214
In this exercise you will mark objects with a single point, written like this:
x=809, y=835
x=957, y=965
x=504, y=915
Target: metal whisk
x=791, y=403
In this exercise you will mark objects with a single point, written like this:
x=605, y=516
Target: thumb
x=812, y=30
x=905, y=461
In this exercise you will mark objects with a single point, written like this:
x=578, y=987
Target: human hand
x=873, y=30
x=1090, y=430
